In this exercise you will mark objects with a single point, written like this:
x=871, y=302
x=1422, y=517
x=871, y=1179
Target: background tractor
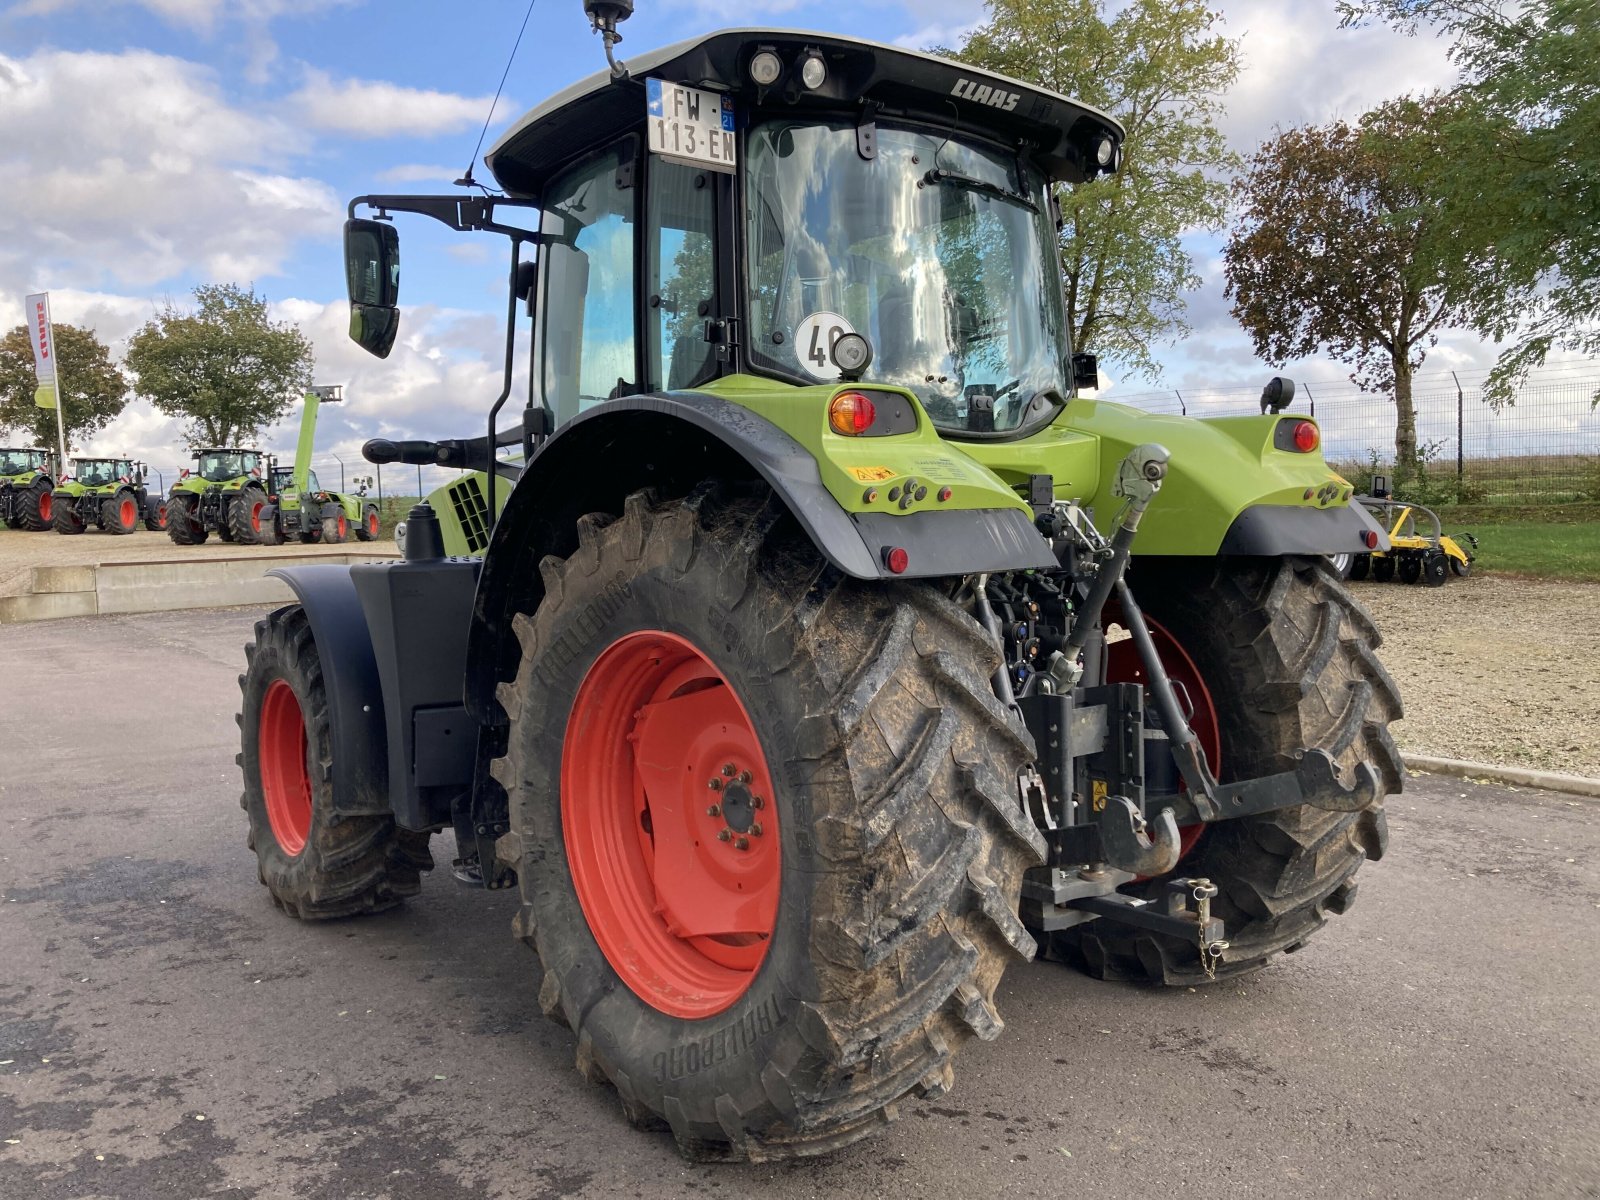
x=108, y=492
x=299, y=506
x=781, y=688
x=26, y=484
x=224, y=493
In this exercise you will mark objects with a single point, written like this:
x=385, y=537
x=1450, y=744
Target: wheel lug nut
x=715, y=785
x=755, y=829
x=728, y=769
x=744, y=776
x=714, y=810
x=743, y=843
x=757, y=802
x=723, y=835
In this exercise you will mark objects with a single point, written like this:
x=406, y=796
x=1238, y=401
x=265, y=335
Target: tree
x=226, y=368
x=1336, y=250
x=1160, y=68
x=1516, y=172
x=93, y=390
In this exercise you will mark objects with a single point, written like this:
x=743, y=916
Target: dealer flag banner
x=44, y=349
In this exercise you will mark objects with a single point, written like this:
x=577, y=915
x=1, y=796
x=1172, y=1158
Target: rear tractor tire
x=64, y=515
x=244, y=515
x=1287, y=658
x=766, y=824
x=120, y=513
x=335, y=529
x=183, y=525
x=316, y=863
x=36, y=505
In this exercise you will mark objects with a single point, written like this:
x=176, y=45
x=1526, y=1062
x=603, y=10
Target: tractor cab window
x=940, y=252
x=586, y=346
x=15, y=462
x=682, y=274
x=312, y=484
x=219, y=466
x=96, y=472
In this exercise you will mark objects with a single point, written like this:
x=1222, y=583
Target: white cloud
x=133, y=168
x=420, y=173
x=367, y=108
x=202, y=15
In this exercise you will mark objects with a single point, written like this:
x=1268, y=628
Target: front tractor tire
x=766, y=825
x=369, y=527
x=64, y=516
x=155, y=514
x=1286, y=661
x=316, y=863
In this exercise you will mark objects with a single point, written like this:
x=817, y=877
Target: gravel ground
x=20, y=552
x=1495, y=670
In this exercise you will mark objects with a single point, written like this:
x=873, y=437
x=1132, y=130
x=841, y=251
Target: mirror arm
x=517, y=238
x=461, y=213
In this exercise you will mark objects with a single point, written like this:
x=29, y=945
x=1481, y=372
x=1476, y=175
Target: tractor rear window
x=939, y=252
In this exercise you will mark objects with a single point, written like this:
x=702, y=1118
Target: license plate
x=689, y=125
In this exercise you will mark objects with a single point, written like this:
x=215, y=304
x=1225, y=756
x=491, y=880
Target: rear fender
x=671, y=442
x=356, y=719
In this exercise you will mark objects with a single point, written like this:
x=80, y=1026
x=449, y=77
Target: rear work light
x=851, y=413
x=1306, y=437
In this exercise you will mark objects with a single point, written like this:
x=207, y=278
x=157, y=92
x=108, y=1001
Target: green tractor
x=26, y=485
x=225, y=493
x=299, y=506
x=828, y=652
x=108, y=492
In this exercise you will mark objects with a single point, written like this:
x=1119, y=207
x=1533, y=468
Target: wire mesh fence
x=1542, y=449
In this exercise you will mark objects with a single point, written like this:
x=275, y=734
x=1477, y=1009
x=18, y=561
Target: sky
x=147, y=146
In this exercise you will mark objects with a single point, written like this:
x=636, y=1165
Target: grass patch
x=1537, y=548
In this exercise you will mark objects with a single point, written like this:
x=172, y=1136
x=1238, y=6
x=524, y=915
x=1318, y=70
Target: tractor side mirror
x=1085, y=370
x=372, y=272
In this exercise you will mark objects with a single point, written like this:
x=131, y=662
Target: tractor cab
x=797, y=207
x=16, y=461
x=103, y=472
x=224, y=466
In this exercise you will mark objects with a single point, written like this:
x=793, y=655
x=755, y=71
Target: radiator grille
x=466, y=500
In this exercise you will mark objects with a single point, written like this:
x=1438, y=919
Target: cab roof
x=1058, y=133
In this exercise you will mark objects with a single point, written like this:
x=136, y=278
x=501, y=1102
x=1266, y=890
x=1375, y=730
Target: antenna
x=467, y=180
x=604, y=16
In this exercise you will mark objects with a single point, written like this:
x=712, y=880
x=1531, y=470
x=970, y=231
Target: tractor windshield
x=219, y=466
x=939, y=252
x=15, y=462
x=95, y=472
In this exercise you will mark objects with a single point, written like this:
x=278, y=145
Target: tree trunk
x=1405, y=424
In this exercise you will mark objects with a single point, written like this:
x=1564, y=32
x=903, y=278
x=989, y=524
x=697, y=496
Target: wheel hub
x=670, y=833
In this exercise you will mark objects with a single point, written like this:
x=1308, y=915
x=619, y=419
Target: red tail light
x=896, y=559
x=1306, y=437
x=851, y=413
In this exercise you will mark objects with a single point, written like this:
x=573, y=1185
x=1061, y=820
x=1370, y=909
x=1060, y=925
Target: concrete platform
x=162, y=585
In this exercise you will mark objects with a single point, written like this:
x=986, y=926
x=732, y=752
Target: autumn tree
x=1336, y=250
x=92, y=390
x=226, y=369
x=1514, y=172
x=1160, y=68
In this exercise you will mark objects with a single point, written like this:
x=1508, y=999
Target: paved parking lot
x=165, y=1032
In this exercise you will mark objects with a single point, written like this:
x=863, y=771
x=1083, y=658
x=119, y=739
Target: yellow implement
x=1412, y=555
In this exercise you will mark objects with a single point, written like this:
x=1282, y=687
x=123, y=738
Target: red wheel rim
x=128, y=514
x=285, y=781
x=255, y=516
x=161, y=515
x=342, y=527
x=1123, y=665
x=47, y=506
x=372, y=524
x=670, y=826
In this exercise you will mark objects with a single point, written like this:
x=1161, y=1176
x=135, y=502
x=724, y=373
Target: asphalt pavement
x=166, y=1032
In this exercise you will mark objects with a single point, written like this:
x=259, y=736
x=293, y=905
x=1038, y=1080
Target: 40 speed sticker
x=813, y=343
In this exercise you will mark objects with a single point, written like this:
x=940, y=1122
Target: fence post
x=1313, y=400
x=1182, y=407
x=1461, y=452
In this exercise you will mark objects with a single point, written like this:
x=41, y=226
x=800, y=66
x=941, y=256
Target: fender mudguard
x=356, y=719
x=672, y=441
x=1277, y=529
